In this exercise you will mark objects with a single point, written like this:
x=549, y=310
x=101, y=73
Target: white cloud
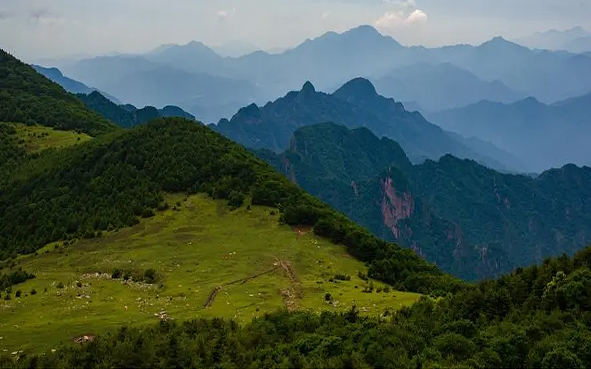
x=325, y=15
x=224, y=14
x=417, y=16
x=403, y=13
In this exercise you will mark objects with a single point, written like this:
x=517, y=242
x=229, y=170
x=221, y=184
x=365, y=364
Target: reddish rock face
x=395, y=207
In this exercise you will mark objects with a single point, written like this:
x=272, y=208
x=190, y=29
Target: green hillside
x=110, y=182
x=197, y=246
x=471, y=221
x=28, y=97
x=37, y=138
x=535, y=317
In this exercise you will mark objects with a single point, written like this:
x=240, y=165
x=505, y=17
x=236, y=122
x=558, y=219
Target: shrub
x=150, y=276
x=342, y=277
x=18, y=293
x=33, y=292
x=79, y=284
x=60, y=285
x=116, y=274
x=328, y=297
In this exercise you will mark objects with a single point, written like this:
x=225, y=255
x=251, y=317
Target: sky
x=36, y=29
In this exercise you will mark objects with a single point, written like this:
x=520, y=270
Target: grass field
x=194, y=249
x=37, y=138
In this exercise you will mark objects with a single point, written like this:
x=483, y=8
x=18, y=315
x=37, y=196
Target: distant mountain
x=28, y=97
x=128, y=116
x=430, y=85
x=355, y=104
x=471, y=221
x=140, y=82
x=541, y=136
x=574, y=40
x=235, y=48
x=211, y=86
x=546, y=75
x=194, y=57
x=69, y=84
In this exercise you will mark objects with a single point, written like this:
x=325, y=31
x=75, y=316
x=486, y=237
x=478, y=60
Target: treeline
x=28, y=97
x=538, y=317
x=114, y=180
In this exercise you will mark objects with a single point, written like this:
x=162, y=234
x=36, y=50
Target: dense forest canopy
x=470, y=220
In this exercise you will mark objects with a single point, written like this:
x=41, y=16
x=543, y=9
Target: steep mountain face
x=128, y=116
x=28, y=97
x=470, y=220
x=541, y=135
x=70, y=85
x=430, y=85
x=355, y=104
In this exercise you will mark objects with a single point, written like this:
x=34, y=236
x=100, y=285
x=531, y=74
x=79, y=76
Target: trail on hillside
x=217, y=289
x=295, y=292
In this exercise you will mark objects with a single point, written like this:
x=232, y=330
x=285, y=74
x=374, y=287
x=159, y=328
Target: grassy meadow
x=256, y=264
x=36, y=138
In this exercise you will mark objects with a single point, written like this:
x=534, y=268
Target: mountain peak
x=364, y=29
x=308, y=88
x=500, y=41
x=356, y=88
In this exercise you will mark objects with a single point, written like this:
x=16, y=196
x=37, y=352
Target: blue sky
x=53, y=28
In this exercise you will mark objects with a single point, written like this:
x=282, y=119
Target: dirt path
x=294, y=292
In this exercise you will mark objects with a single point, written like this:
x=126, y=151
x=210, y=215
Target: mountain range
x=355, y=104
x=430, y=85
x=471, y=221
x=128, y=116
x=183, y=75
x=576, y=40
x=69, y=84
x=540, y=135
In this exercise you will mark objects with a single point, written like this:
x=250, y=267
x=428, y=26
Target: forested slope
x=113, y=180
x=28, y=97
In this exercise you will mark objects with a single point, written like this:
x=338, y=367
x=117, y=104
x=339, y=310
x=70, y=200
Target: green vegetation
x=27, y=97
x=536, y=317
x=10, y=152
x=97, y=285
x=36, y=138
x=14, y=278
x=471, y=221
x=110, y=182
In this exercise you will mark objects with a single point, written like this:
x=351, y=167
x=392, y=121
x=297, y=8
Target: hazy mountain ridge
x=541, y=136
x=355, y=104
x=326, y=61
x=430, y=85
x=128, y=116
x=576, y=40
